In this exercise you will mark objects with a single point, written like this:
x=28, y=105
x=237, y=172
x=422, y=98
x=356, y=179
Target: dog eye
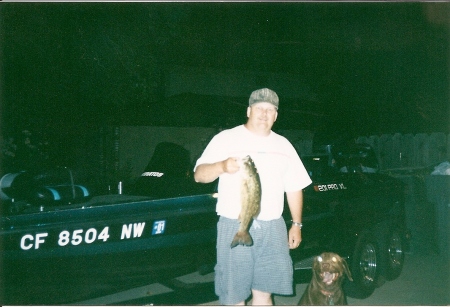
x=334, y=259
x=319, y=259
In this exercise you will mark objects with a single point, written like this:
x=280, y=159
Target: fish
x=250, y=202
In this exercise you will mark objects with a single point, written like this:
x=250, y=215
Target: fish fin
x=242, y=238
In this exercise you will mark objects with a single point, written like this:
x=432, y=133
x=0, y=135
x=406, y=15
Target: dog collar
x=329, y=296
x=326, y=293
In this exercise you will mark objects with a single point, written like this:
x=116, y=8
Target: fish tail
x=242, y=238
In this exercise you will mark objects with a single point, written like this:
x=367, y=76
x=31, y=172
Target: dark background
x=68, y=69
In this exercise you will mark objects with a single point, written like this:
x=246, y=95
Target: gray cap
x=263, y=95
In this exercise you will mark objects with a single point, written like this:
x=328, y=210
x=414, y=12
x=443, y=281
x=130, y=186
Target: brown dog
x=325, y=287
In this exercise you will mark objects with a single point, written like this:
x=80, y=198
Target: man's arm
x=295, y=202
x=208, y=172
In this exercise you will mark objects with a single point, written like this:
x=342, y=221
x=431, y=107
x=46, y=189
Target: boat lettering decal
x=75, y=237
x=152, y=174
x=137, y=229
x=29, y=241
x=329, y=187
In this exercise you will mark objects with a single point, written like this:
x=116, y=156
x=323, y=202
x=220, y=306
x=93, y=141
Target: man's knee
x=261, y=298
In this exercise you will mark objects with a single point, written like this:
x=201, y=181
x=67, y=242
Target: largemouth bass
x=250, y=202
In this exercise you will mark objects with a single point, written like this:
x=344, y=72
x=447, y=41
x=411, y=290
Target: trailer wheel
x=364, y=267
x=395, y=255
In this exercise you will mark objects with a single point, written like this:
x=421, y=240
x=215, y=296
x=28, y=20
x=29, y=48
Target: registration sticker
x=159, y=227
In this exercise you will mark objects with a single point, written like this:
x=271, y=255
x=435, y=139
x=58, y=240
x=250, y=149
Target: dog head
x=329, y=270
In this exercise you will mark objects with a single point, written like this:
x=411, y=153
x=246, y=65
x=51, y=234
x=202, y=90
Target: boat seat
x=58, y=194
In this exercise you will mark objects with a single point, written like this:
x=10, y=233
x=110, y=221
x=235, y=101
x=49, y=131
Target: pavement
x=424, y=281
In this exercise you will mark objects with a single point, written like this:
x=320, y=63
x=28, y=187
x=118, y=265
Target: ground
x=424, y=281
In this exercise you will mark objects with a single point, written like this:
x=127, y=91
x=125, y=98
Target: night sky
x=373, y=68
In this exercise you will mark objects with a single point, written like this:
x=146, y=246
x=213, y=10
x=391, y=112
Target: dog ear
x=346, y=269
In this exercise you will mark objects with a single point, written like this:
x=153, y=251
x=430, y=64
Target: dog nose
x=325, y=266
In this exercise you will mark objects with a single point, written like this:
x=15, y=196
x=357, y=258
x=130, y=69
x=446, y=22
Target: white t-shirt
x=279, y=167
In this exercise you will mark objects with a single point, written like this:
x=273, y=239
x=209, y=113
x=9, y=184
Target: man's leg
x=273, y=269
x=234, y=268
x=261, y=298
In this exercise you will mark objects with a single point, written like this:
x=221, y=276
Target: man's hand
x=230, y=165
x=295, y=202
x=295, y=237
x=206, y=173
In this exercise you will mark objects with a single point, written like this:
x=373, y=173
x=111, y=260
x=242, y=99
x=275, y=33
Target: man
x=265, y=267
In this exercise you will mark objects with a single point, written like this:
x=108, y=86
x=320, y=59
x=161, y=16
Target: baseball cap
x=263, y=95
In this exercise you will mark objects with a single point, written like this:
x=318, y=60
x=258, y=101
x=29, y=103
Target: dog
x=325, y=287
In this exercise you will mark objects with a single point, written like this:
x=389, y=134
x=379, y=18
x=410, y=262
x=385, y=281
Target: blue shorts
x=265, y=266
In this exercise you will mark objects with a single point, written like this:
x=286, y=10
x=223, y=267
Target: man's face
x=261, y=117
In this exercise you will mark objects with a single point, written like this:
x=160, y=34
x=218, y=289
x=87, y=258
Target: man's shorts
x=265, y=266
